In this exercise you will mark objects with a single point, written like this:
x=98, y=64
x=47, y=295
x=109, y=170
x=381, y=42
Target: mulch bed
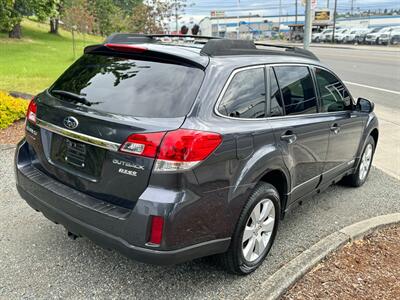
x=365, y=269
x=12, y=134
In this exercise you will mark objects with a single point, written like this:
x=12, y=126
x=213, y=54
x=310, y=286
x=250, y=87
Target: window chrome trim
x=94, y=141
x=309, y=65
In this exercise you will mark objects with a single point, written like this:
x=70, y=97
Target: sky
x=197, y=9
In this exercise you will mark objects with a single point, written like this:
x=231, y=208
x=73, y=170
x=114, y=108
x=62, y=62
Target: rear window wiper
x=75, y=97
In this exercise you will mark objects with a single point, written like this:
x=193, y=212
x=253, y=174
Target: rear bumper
x=109, y=227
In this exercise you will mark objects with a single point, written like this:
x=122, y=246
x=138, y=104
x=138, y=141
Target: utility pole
x=238, y=20
x=352, y=7
x=334, y=22
x=295, y=18
x=280, y=13
x=176, y=17
x=307, y=26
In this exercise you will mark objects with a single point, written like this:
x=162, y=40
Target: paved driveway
x=37, y=260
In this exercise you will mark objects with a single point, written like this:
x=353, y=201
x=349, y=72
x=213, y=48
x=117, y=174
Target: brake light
x=176, y=150
x=143, y=144
x=32, y=110
x=182, y=149
x=157, y=224
x=126, y=48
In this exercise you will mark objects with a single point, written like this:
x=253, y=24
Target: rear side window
x=245, y=95
x=276, y=99
x=297, y=89
x=130, y=86
x=334, y=96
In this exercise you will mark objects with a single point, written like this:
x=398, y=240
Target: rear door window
x=297, y=89
x=276, y=99
x=245, y=96
x=130, y=86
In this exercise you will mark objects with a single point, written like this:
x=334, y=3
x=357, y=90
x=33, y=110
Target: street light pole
x=334, y=22
x=307, y=26
x=280, y=13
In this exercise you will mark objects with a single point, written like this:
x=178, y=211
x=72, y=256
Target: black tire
x=354, y=179
x=233, y=260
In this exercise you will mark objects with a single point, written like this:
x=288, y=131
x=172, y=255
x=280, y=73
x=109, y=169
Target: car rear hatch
x=103, y=101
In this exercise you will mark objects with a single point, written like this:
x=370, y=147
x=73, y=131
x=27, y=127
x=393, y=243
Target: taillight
x=157, y=224
x=176, y=150
x=182, y=149
x=32, y=110
x=143, y=144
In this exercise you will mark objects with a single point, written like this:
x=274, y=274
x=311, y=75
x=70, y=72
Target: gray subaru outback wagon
x=173, y=151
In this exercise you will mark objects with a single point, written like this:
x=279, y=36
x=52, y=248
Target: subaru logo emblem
x=71, y=122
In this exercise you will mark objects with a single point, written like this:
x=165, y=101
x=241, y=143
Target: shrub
x=11, y=109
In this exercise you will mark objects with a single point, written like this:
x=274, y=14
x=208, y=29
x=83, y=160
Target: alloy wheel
x=365, y=162
x=258, y=230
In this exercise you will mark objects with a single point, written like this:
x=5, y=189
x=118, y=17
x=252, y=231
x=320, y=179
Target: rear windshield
x=129, y=86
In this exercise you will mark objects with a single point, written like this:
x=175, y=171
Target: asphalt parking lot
x=38, y=260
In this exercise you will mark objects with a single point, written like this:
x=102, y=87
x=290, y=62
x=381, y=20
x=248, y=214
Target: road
x=374, y=75
x=37, y=260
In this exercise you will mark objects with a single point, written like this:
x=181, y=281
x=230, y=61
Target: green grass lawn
x=33, y=63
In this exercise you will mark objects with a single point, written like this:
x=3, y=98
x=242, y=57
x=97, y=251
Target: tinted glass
x=245, y=96
x=297, y=90
x=334, y=96
x=276, y=100
x=132, y=87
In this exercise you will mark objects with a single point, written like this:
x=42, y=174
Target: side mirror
x=365, y=105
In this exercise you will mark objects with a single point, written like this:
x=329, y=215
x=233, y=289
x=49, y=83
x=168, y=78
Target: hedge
x=11, y=109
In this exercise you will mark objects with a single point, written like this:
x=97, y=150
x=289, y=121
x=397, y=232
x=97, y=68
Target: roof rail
x=133, y=38
x=223, y=47
x=215, y=46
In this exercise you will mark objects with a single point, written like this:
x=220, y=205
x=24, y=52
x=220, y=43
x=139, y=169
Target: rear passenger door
x=296, y=123
x=345, y=123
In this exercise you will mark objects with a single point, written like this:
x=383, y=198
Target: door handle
x=335, y=128
x=289, y=137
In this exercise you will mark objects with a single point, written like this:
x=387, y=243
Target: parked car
x=361, y=37
x=395, y=37
x=326, y=35
x=316, y=36
x=373, y=37
x=340, y=35
x=387, y=37
x=353, y=34
x=168, y=153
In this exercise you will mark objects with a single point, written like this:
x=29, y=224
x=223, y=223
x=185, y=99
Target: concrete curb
x=7, y=146
x=276, y=285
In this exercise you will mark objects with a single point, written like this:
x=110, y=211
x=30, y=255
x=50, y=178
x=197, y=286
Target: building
x=256, y=26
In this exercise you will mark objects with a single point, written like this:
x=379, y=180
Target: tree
x=112, y=15
x=195, y=29
x=149, y=17
x=127, y=5
x=176, y=8
x=55, y=16
x=77, y=17
x=12, y=12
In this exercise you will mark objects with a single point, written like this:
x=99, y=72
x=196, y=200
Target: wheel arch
x=375, y=135
x=279, y=180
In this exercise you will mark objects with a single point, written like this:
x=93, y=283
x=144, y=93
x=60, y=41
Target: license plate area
x=75, y=153
x=76, y=156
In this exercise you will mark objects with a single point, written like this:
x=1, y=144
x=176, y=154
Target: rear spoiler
x=143, y=51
